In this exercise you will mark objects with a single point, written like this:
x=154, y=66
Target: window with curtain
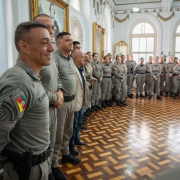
x=177, y=42
x=76, y=4
x=143, y=41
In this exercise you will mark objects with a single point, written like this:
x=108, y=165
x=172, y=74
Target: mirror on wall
x=121, y=48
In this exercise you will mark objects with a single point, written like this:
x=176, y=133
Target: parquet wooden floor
x=138, y=141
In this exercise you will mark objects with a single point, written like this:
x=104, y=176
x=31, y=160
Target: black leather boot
x=158, y=97
x=172, y=94
x=119, y=103
x=161, y=93
x=175, y=96
x=150, y=96
x=103, y=104
x=108, y=103
x=166, y=94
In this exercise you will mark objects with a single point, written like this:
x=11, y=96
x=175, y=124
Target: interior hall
x=90, y=90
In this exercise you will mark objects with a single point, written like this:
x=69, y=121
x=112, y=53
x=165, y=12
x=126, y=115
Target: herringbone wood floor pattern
x=138, y=141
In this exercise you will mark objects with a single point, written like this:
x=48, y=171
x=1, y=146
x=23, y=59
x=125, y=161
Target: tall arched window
x=143, y=41
x=76, y=4
x=177, y=42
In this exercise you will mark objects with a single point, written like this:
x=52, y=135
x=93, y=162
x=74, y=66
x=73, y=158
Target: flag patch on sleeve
x=21, y=102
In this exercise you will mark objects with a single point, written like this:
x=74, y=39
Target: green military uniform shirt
x=24, y=110
x=169, y=67
x=176, y=71
x=130, y=66
x=163, y=67
x=66, y=70
x=107, y=69
x=50, y=80
x=88, y=72
x=97, y=70
x=119, y=70
x=155, y=69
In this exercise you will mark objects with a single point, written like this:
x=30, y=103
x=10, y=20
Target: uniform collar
x=62, y=55
x=96, y=62
x=27, y=68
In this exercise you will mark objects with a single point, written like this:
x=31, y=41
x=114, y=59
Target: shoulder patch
x=21, y=102
x=2, y=114
x=7, y=112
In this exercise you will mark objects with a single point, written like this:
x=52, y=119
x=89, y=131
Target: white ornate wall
x=164, y=30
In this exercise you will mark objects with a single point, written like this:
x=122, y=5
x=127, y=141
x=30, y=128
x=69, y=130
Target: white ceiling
x=128, y=2
x=125, y=5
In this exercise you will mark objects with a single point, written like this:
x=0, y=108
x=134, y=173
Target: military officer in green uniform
x=51, y=83
x=176, y=72
x=155, y=72
x=130, y=68
x=120, y=71
x=163, y=74
x=89, y=78
x=65, y=115
x=139, y=74
x=147, y=82
x=169, y=76
x=134, y=65
x=24, y=106
x=106, y=85
x=97, y=73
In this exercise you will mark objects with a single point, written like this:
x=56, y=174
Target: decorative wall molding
x=122, y=20
x=166, y=19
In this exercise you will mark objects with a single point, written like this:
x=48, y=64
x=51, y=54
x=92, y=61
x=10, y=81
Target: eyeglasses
x=52, y=27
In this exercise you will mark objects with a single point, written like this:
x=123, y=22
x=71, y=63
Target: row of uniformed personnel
x=33, y=127
x=116, y=78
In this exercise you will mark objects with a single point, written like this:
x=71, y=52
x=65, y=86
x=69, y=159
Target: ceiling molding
x=137, y=3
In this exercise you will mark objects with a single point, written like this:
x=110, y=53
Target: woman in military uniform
x=106, y=85
x=176, y=72
x=140, y=75
x=119, y=70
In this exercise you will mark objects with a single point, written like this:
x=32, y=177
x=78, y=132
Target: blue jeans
x=76, y=128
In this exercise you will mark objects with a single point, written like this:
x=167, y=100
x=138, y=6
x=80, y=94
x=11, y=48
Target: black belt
x=106, y=76
x=129, y=73
x=141, y=73
x=148, y=72
x=35, y=160
x=51, y=105
x=69, y=98
x=96, y=77
x=155, y=74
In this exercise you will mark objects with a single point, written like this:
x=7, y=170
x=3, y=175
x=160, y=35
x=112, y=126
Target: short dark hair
x=117, y=56
x=76, y=42
x=106, y=56
x=122, y=55
x=95, y=54
x=61, y=34
x=23, y=31
x=88, y=52
x=41, y=15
